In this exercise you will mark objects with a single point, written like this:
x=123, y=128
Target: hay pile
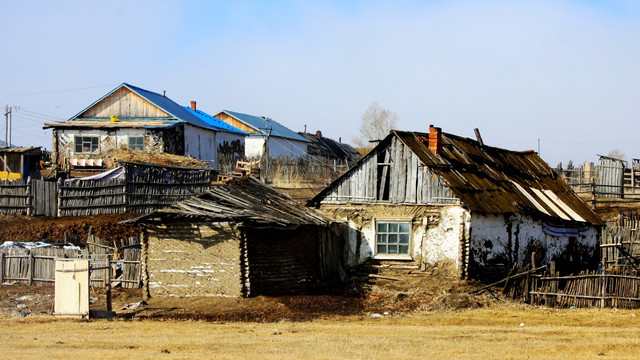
x=154, y=158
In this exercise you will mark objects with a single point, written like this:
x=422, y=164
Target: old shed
x=436, y=197
x=238, y=239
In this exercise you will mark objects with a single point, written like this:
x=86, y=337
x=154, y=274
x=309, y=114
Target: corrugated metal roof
x=214, y=122
x=245, y=200
x=483, y=178
x=260, y=124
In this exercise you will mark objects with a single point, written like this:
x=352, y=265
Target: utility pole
x=7, y=117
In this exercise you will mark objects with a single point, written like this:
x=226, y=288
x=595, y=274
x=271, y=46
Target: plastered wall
x=194, y=259
x=436, y=231
x=499, y=241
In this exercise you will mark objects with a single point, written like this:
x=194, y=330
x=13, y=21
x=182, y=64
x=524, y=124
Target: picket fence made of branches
x=587, y=290
x=143, y=189
x=15, y=197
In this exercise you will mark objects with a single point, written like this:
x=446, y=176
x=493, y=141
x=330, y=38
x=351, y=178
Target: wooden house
x=134, y=118
x=20, y=163
x=265, y=136
x=435, y=197
x=238, y=239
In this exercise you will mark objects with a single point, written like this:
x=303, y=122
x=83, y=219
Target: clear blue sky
x=564, y=72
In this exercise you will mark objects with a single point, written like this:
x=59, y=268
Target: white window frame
x=398, y=233
x=135, y=137
x=83, y=139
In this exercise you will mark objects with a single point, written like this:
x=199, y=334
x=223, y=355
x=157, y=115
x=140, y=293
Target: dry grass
x=494, y=333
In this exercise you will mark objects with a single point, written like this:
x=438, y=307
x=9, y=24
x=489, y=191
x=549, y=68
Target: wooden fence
x=587, y=290
x=620, y=244
x=15, y=197
x=610, y=179
x=594, y=289
x=143, y=188
x=37, y=266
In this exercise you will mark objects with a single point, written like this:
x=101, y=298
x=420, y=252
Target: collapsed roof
x=244, y=200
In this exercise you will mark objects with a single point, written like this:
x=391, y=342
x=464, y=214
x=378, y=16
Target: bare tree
x=375, y=125
x=616, y=154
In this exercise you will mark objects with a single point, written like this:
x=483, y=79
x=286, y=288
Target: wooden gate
x=610, y=178
x=45, y=197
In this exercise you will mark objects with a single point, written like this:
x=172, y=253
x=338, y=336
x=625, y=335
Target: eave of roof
x=20, y=149
x=108, y=124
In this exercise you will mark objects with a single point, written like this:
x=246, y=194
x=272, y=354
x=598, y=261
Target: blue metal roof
x=215, y=123
x=261, y=124
x=162, y=102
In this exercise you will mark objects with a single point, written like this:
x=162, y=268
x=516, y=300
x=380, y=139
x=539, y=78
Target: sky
x=558, y=77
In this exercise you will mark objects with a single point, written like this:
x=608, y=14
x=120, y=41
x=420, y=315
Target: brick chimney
x=193, y=105
x=435, y=139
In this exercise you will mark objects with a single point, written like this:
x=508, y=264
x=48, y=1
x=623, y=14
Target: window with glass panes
x=392, y=237
x=86, y=144
x=136, y=143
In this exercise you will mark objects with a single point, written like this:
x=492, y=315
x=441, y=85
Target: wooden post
x=529, y=282
x=59, y=197
x=1, y=267
x=603, y=279
x=553, y=284
x=107, y=281
x=593, y=194
x=144, y=249
x=31, y=268
x=622, y=182
x=30, y=197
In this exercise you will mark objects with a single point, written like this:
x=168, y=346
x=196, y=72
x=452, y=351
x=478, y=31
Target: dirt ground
x=38, y=228
x=399, y=292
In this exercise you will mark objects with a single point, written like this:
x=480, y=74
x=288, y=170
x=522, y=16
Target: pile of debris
x=399, y=287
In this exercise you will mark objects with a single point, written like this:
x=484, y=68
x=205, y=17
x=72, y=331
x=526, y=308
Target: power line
x=54, y=91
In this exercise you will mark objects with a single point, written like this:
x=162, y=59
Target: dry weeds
x=504, y=332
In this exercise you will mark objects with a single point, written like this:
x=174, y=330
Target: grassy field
x=508, y=332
